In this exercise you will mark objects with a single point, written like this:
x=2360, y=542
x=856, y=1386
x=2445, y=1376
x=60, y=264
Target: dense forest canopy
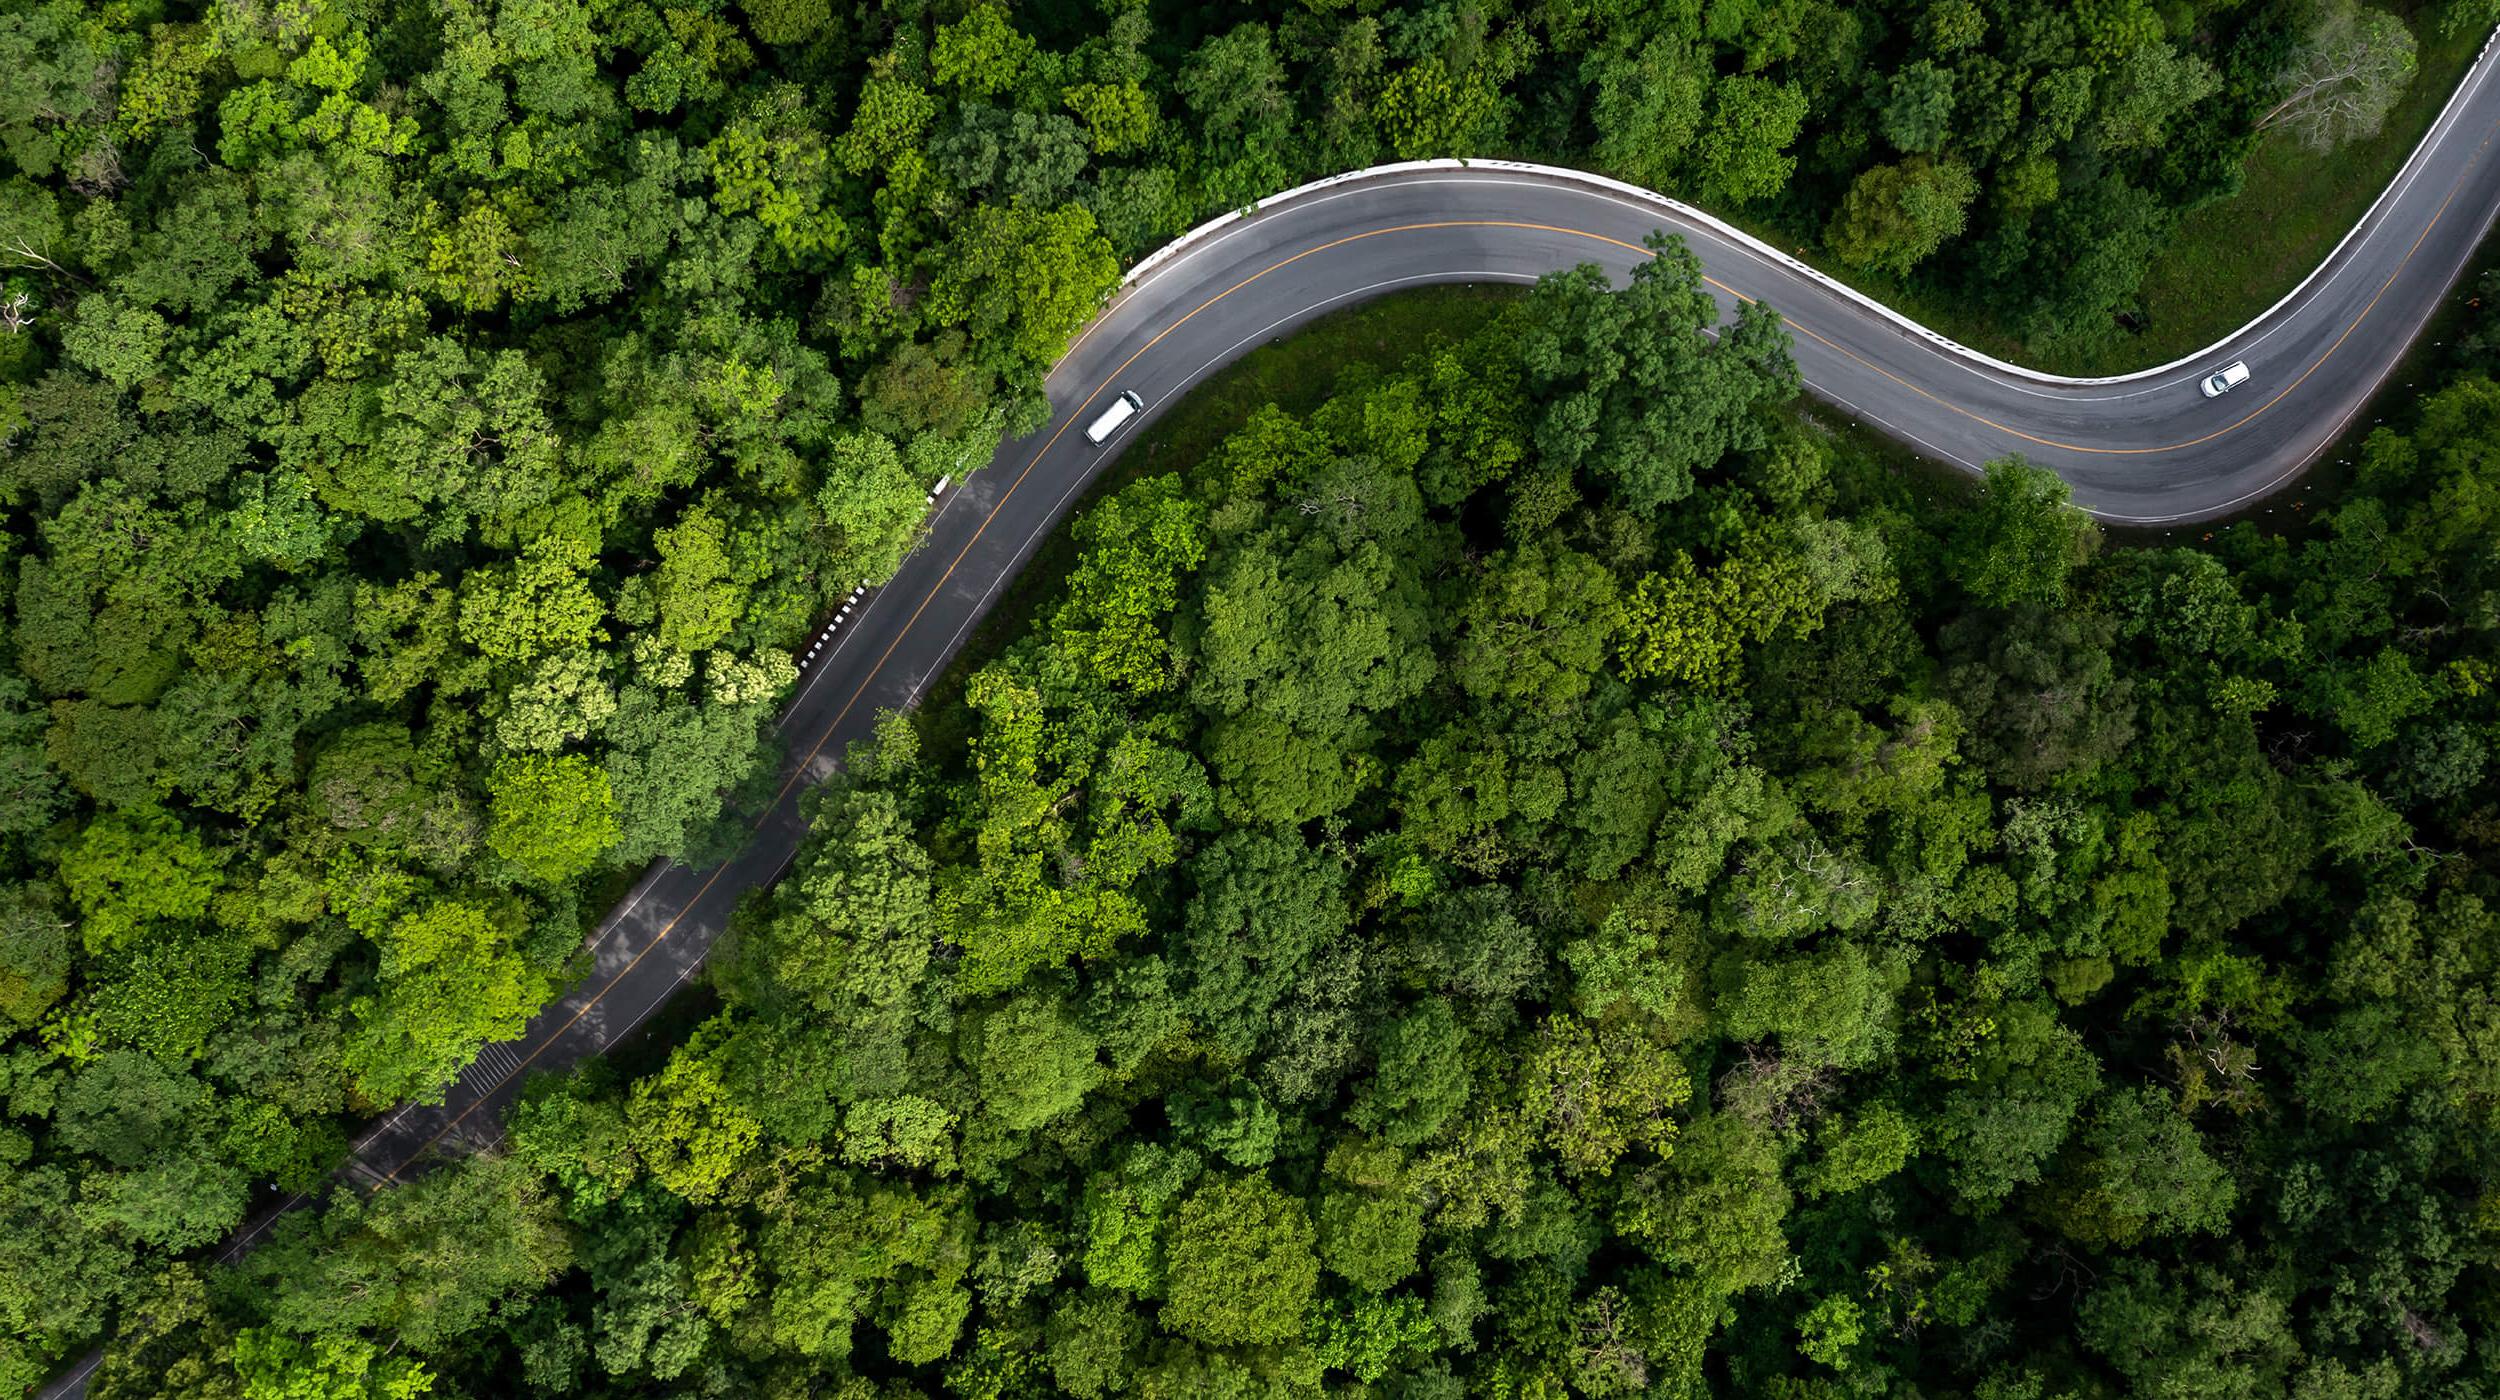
x=1444, y=902
x=427, y=427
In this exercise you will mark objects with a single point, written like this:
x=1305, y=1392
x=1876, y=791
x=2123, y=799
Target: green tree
x=850, y=1249
x=1426, y=110
x=1139, y=546
x=1126, y=1217
x=773, y=162
x=2140, y=1170
x=274, y=1366
x=540, y=605
x=1896, y=216
x=1118, y=117
x=1243, y=1266
x=1741, y=154
x=1917, y=114
x=2150, y=90
x=1033, y=1063
x=1602, y=1093
x=121, y=343
x=1265, y=904
x=699, y=598
x=1534, y=629
x=34, y=954
x=1236, y=88
x=1632, y=392
x=552, y=818
x=2196, y=1331
x=981, y=53
x=2043, y=695
x=1647, y=108
x=1827, y=1007
x=1714, y=1208
x=449, y=981
x=1090, y=1339
x=427, y=1262
x=131, y=872
x=2025, y=1085
x=1371, y=1219
x=1694, y=627
x=2022, y=542
x=1422, y=1078
x=871, y=506
x=669, y=763
x=863, y=920
x=1024, y=280
x=789, y=22
x=686, y=1124
x=1858, y=1150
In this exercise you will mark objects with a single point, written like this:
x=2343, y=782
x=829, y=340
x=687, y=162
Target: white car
x=2225, y=379
x=1122, y=409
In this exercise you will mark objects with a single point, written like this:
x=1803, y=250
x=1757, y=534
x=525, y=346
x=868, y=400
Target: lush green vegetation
x=1297, y=373
x=1453, y=901
x=426, y=426
x=2230, y=252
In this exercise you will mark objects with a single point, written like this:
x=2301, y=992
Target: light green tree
x=449, y=981
x=1896, y=216
x=871, y=505
x=686, y=1124
x=550, y=817
x=1033, y=1063
x=1742, y=153
x=1242, y=1264
x=133, y=870
x=272, y=1365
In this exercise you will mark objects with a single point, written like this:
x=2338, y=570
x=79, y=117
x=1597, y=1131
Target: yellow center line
x=800, y=771
x=2286, y=392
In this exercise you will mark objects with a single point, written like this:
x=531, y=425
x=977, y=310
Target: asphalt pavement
x=2148, y=450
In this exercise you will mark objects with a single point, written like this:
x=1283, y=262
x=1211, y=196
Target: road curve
x=2147, y=448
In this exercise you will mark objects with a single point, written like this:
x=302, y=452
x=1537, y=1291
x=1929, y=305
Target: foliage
x=1242, y=1266
x=1503, y=934
x=1603, y=883
x=552, y=818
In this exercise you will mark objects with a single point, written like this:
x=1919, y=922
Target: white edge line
x=1224, y=223
x=1187, y=242
x=1221, y=224
x=859, y=609
x=1051, y=519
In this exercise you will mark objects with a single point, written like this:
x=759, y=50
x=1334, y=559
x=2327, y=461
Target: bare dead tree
x=20, y=252
x=2065, y=1271
x=2212, y=1065
x=1766, y=1087
x=2345, y=76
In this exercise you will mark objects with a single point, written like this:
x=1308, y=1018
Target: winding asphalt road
x=2146, y=448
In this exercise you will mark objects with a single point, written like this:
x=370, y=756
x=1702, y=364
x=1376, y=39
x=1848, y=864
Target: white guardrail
x=1180, y=247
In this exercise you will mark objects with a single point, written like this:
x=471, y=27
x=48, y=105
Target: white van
x=2225, y=379
x=1122, y=409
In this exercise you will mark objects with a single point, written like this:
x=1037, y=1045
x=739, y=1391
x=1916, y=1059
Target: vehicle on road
x=1122, y=409
x=2225, y=379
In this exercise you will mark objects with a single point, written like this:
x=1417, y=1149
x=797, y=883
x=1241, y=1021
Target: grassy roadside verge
x=2230, y=260
x=1298, y=373
x=1304, y=370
